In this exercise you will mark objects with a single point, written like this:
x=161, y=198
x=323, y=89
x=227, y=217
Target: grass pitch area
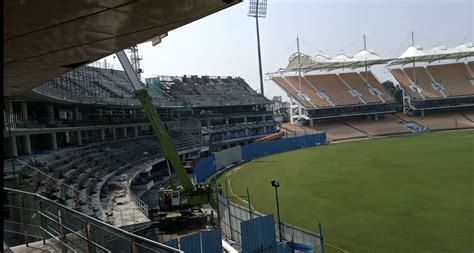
x=397, y=194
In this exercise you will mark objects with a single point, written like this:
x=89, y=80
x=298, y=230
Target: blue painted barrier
x=204, y=168
x=255, y=150
x=211, y=241
x=207, y=166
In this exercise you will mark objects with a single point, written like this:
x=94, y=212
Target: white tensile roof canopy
x=365, y=57
x=434, y=54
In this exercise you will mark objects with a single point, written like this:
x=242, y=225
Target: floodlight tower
x=258, y=9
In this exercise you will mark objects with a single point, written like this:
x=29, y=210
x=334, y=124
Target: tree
x=396, y=91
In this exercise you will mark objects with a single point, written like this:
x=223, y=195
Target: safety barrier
x=208, y=166
x=232, y=216
x=32, y=217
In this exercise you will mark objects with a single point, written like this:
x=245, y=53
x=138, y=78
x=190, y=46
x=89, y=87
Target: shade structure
x=434, y=54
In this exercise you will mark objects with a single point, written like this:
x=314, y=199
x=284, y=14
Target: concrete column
x=76, y=113
x=10, y=107
x=14, y=150
x=311, y=122
x=24, y=110
x=79, y=138
x=376, y=117
x=124, y=131
x=265, y=129
x=246, y=131
x=422, y=113
x=100, y=113
x=27, y=143
x=114, y=135
x=68, y=139
x=102, y=134
x=51, y=112
x=227, y=121
x=54, y=142
x=209, y=122
x=136, y=131
x=245, y=119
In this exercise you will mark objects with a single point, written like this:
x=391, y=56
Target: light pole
x=258, y=9
x=276, y=184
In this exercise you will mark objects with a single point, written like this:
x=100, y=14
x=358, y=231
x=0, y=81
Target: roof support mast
x=413, y=44
x=365, y=62
x=299, y=61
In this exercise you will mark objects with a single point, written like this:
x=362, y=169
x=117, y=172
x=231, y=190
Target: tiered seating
x=405, y=82
x=201, y=92
x=356, y=82
x=424, y=81
x=469, y=114
x=455, y=78
x=294, y=92
x=471, y=65
x=336, y=130
x=440, y=120
x=87, y=169
x=293, y=128
x=334, y=88
x=309, y=91
x=383, y=126
x=376, y=84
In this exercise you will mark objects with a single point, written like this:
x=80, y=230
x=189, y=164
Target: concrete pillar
x=311, y=122
x=227, y=121
x=54, y=142
x=265, y=129
x=68, y=139
x=76, y=113
x=51, y=112
x=102, y=134
x=136, y=131
x=124, y=131
x=24, y=110
x=10, y=107
x=101, y=114
x=14, y=150
x=245, y=119
x=27, y=140
x=376, y=117
x=422, y=112
x=246, y=131
x=114, y=135
x=79, y=138
x=209, y=122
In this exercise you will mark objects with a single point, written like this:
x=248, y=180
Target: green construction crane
x=173, y=198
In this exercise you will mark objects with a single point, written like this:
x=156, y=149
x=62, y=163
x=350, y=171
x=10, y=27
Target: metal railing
x=31, y=217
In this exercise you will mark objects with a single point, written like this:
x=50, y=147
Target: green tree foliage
x=396, y=91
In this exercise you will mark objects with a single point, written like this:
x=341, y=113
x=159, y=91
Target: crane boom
x=158, y=126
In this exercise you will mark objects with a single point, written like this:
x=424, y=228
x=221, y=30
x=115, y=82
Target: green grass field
x=397, y=194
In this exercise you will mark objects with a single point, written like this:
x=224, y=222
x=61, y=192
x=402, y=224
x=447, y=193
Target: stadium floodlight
x=258, y=9
x=276, y=184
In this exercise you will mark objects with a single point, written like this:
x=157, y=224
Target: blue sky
x=225, y=42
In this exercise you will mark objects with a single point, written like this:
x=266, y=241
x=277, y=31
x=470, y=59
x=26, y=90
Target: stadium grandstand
x=99, y=159
x=344, y=98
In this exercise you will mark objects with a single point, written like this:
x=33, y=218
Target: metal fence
x=30, y=217
x=232, y=214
